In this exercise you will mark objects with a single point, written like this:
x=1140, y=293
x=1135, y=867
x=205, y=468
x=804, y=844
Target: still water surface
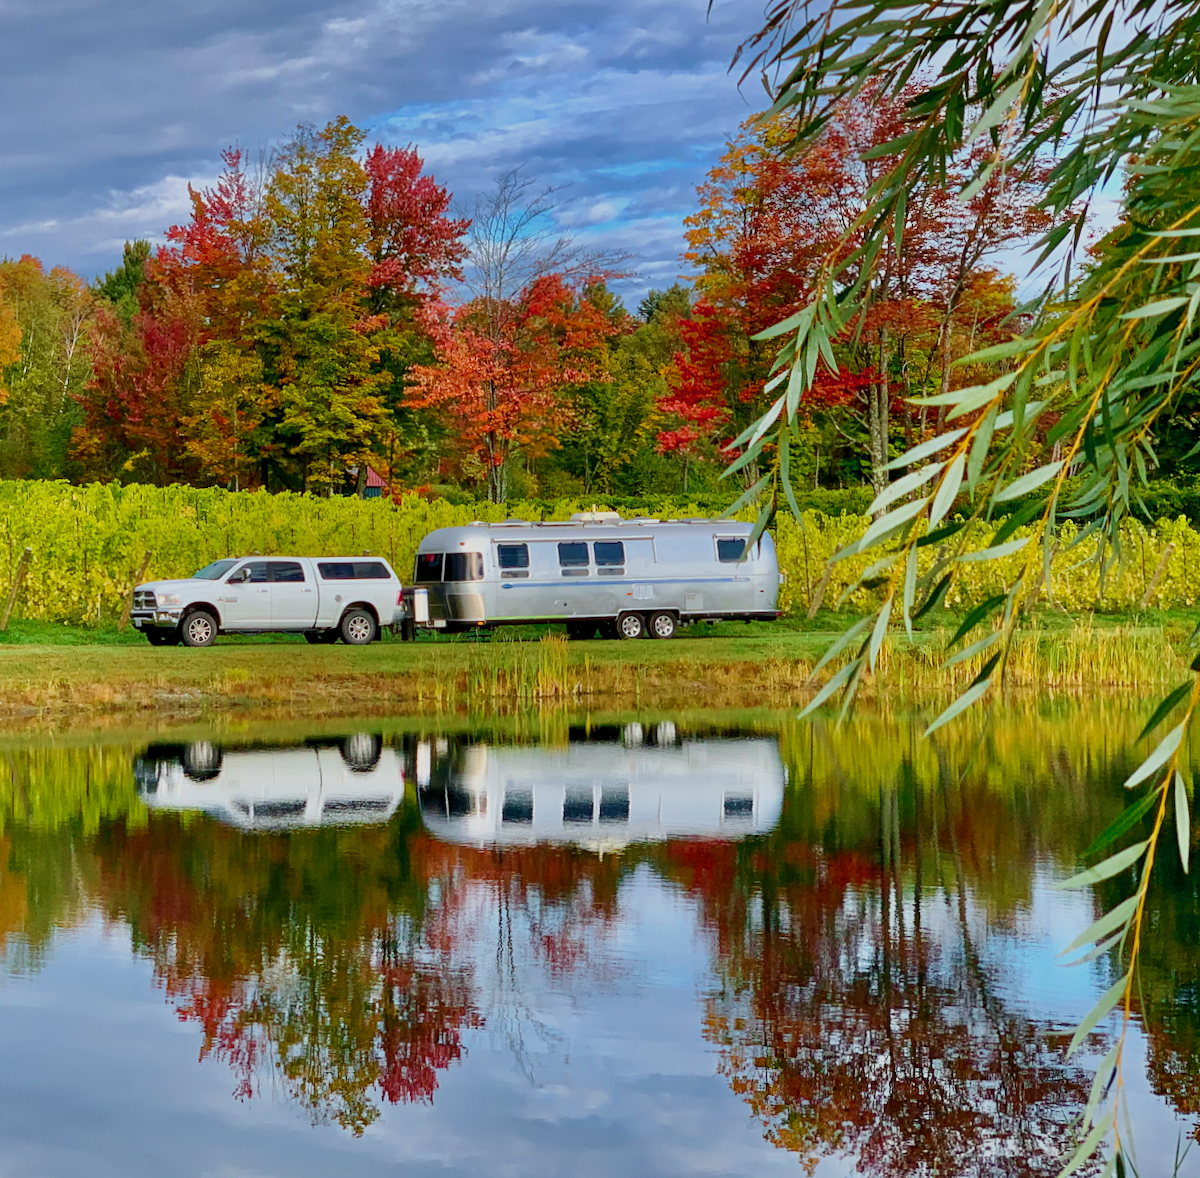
x=695, y=946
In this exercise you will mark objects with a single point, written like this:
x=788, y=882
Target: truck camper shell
x=596, y=571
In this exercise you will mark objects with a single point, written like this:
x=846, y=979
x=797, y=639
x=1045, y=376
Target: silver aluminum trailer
x=596, y=572
x=601, y=796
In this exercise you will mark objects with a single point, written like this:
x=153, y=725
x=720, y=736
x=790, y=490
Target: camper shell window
x=463, y=566
x=353, y=570
x=730, y=551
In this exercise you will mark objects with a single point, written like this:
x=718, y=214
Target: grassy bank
x=727, y=666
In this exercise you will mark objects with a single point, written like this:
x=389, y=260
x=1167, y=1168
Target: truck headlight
x=168, y=598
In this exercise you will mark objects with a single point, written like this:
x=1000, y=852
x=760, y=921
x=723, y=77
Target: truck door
x=293, y=595
x=245, y=600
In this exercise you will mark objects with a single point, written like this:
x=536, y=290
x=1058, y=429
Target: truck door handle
x=262, y=591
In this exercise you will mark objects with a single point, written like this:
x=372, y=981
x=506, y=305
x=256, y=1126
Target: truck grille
x=143, y=599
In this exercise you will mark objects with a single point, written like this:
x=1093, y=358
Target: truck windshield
x=214, y=571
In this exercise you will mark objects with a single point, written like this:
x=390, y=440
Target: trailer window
x=286, y=571
x=609, y=552
x=464, y=566
x=730, y=551
x=429, y=568
x=513, y=556
x=572, y=554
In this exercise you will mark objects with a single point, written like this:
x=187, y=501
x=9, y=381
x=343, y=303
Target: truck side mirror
x=238, y=578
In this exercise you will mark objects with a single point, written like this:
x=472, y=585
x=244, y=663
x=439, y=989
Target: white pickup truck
x=324, y=598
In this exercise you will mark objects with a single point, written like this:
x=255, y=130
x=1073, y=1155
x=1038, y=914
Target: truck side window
x=429, y=568
x=730, y=551
x=609, y=552
x=286, y=571
x=255, y=573
x=464, y=566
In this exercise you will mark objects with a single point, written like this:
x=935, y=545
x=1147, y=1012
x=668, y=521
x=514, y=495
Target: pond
x=698, y=944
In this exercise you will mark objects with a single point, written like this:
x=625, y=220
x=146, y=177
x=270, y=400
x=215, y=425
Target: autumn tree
x=533, y=328
x=45, y=325
x=768, y=219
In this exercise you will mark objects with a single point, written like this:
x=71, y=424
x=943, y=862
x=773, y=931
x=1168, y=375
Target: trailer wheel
x=578, y=631
x=631, y=626
x=662, y=625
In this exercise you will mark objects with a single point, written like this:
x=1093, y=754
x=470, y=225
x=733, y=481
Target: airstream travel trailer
x=354, y=780
x=596, y=572
x=600, y=795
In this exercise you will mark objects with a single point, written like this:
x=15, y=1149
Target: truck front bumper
x=144, y=619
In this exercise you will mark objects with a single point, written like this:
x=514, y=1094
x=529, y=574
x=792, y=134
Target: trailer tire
x=580, y=631
x=630, y=626
x=358, y=627
x=661, y=625
x=199, y=628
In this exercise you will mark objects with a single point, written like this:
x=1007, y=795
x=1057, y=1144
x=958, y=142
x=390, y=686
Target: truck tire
x=661, y=625
x=579, y=631
x=631, y=626
x=361, y=752
x=358, y=628
x=199, y=628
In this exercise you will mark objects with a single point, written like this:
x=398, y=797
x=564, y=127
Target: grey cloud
x=116, y=105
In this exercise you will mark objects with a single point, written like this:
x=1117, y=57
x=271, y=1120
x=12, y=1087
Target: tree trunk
x=879, y=419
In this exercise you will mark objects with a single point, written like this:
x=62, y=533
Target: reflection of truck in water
x=642, y=788
x=353, y=779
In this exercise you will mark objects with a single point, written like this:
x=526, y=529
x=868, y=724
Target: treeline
x=326, y=322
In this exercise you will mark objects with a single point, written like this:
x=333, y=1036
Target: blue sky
x=115, y=105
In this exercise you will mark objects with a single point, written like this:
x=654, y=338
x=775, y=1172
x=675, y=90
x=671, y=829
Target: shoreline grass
x=738, y=666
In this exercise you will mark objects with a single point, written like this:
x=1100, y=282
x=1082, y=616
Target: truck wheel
x=361, y=752
x=662, y=625
x=578, y=631
x=358, y=628
x=630, y=626
x=198, y=629
x=202, y=761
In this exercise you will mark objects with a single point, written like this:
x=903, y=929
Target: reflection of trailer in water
x=353, y=780
x=601, y=795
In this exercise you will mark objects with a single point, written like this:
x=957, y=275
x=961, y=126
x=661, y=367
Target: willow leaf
x=1157, y=759
x=1027, y=482
x=943, y=500
x=1108, y=1000
x=887, y=524
x=926, y=449
x=1111, y=866
x=902, y=486
x=1183, y=822
x=835, y=681
x=880, y=631
x=1119, y=917
x=961, y=704
x=996, y=552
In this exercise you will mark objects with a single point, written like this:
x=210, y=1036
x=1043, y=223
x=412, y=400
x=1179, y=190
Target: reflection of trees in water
x=852, y=1009
x=342, y=967
x=856, y=1008
x=298, y=955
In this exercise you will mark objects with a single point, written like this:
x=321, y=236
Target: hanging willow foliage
x=1111, y=90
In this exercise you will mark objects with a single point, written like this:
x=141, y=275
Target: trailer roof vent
x=596, y=517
